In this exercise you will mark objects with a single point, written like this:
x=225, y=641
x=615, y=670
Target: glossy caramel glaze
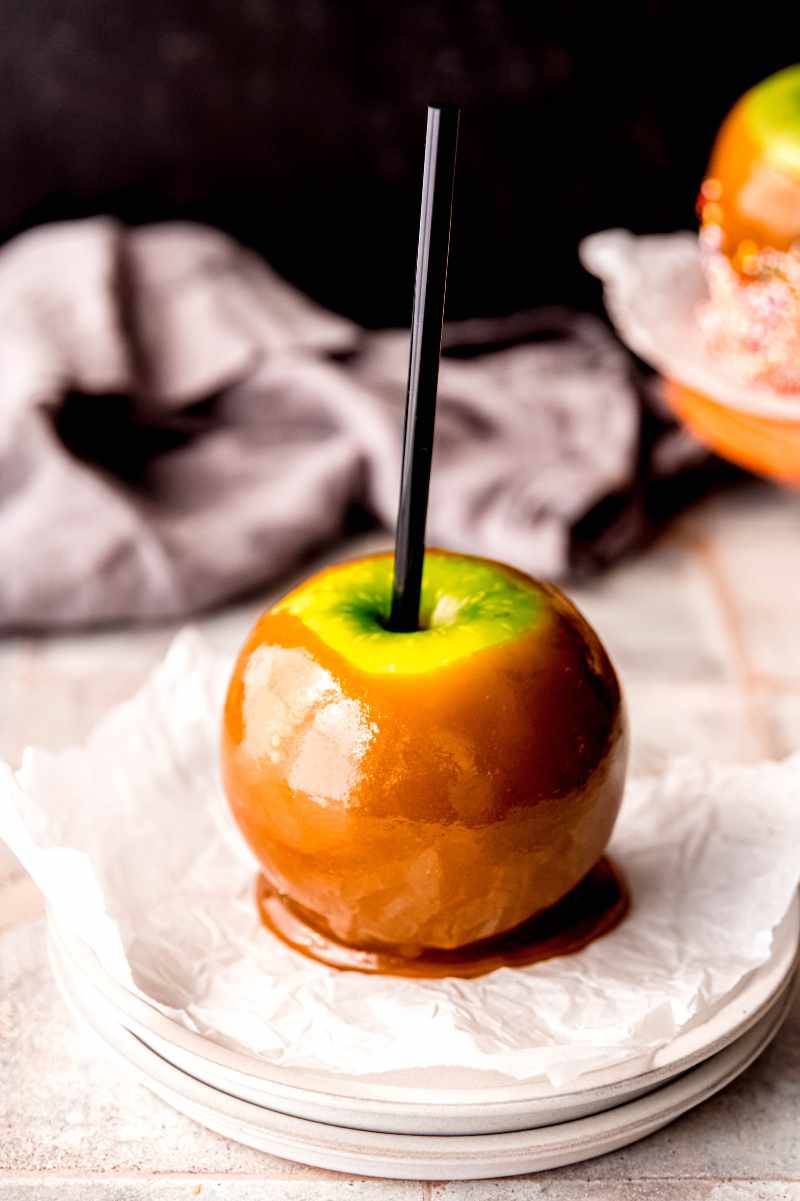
x=751, y=193
x=593, y=908
x=740, y=169
x=404, y=813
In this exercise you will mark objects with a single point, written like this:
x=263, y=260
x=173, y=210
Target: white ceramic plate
x=445, y=1102
x=414, y=1157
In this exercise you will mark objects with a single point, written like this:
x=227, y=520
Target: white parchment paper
x=654, y=285
x=129, y=839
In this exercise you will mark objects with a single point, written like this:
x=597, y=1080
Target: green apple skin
x=772, y=110
x=466, y=605
x=750, y=198
x=429, y=790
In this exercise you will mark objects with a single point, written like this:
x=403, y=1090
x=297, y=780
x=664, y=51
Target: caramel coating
x=752, y=190
x=593, y=908
x=738, y=164
x=406, y=813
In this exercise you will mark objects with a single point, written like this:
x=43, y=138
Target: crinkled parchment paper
x=129, y=838
x=654, y=287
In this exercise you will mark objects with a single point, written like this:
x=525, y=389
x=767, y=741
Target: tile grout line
x=428, y=1189
x=724, y=598
x=21, y=901
x=771, y=680
x=192, y=1177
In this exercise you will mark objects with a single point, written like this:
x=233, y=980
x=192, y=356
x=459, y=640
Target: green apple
x=467, y=605
x=773, y=113
x=410, y=794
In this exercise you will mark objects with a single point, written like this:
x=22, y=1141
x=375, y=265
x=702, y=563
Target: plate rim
x=432, y=1156
x=380, y=1098
x=407, y=1120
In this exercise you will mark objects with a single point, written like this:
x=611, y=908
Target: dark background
x=298, y=126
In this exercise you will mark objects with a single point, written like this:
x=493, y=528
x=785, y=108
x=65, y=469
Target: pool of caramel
x=594, y=907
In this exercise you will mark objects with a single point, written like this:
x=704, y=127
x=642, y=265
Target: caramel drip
x=594, y=907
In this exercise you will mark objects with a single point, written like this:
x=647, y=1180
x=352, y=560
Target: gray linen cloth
x=178, y=425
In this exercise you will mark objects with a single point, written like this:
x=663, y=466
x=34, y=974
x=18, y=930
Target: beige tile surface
x=532, y=1188
x=703, y=628
x=184, y=1188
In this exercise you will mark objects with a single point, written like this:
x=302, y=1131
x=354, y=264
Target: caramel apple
x=750, y=198
x=749, y=209
x=409, y=795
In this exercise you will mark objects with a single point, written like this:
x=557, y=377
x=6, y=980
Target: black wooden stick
x=441, y=142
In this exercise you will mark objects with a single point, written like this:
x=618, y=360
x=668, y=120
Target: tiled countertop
x=704, y=628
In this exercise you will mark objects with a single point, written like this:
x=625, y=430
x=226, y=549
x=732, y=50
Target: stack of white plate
x=436, y=1125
